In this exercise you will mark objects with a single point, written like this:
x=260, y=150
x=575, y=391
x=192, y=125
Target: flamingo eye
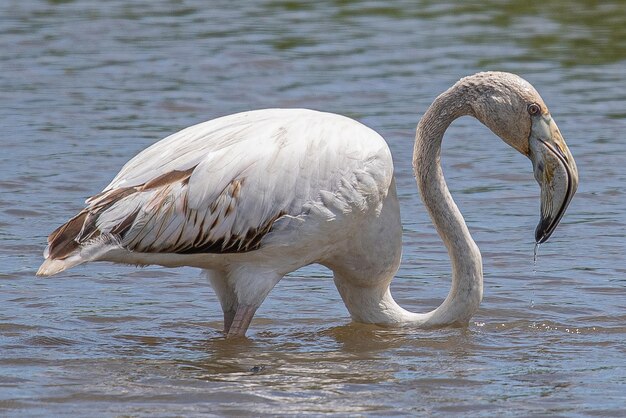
x=534, y=109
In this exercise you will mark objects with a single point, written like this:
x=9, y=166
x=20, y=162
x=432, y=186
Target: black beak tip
x=543, y=231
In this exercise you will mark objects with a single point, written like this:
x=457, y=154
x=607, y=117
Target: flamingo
x=252, y=196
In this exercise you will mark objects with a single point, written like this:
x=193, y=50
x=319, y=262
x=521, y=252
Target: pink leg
x=241, y=321
x=228, y=319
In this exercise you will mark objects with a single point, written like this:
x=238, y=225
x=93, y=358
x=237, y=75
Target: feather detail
x=221, y=186
x=62, y=241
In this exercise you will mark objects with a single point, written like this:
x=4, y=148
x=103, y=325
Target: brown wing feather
x=62, y=241
x=83, y=227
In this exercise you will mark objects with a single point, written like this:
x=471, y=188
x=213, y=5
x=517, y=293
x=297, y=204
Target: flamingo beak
x=555, y=171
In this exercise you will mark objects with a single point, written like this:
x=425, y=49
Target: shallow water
x=86, y=85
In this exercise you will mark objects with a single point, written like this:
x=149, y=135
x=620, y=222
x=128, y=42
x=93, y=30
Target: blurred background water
x=85, y=85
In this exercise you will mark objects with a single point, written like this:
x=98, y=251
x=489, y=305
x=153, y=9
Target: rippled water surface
x=84, y=85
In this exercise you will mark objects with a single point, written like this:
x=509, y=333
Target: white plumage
x=274, y=186
x=255, y=170
x=252, y=196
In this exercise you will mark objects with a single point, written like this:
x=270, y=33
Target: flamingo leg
x=226, y=295
x=241, y=291
x=229, y=315
x=241, y=321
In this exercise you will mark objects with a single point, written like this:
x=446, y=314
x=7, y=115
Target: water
x=86, y=85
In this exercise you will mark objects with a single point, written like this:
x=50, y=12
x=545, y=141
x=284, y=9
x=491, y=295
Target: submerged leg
x=251, y=286
x=229, y=316
x=241, y=321
x=226, y=295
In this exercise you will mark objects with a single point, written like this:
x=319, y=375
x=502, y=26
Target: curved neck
x=375, y=304
x=467, y=277
x=429, y=176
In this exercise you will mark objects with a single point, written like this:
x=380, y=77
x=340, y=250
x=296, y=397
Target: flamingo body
x=252, y=196
x=248, y=197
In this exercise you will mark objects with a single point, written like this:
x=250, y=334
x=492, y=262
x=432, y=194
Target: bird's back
x=231, y=185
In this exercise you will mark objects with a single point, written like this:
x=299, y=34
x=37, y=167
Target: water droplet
x=535, y=252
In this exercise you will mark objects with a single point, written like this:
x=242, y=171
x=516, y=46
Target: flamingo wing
x=222, y=185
